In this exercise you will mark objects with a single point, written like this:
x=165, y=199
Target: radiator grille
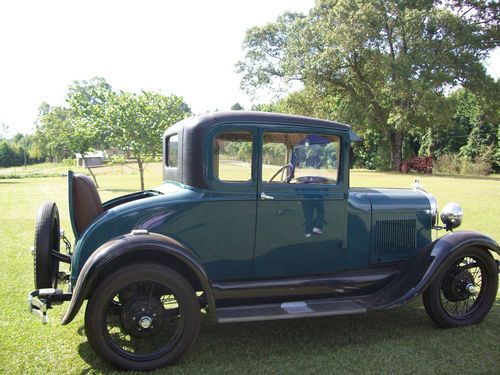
x=394, y=238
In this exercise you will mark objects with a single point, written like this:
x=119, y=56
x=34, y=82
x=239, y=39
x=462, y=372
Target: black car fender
x=136, y=247
x=446, y=245
x=420, y=270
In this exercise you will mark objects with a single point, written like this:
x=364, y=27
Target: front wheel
x=464, y=290
x=142, y=317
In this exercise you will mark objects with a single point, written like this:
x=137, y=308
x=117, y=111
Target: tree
x=136, y=123
x=4, y=130
x=237, y=107
x=10, y=155
x=88, y=101
x=473, y=129
x=23, y=142
x=387, y=64
x=482, y=123
x=51, y=127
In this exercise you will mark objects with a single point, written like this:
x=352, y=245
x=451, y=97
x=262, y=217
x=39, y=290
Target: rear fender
x=420, y=270
x=136, y=247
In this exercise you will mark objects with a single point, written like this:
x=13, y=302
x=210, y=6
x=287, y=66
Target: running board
x=288, y=310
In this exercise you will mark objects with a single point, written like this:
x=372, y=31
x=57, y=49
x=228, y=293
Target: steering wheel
x=281, y=170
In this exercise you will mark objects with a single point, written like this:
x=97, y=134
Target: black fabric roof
x=193, y=131
x=209, y=119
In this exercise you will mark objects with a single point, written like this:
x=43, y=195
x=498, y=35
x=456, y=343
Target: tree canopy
x=136, y=122
x=95, y=116
x=383, y=65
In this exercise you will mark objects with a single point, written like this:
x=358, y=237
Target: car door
x=224, y=238
x=301, y=216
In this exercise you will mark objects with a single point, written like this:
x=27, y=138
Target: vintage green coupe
x=255, y=220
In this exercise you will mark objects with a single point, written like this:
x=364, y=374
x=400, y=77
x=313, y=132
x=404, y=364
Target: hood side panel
x=400, y=223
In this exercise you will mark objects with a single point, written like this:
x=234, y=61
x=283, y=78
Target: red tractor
x=422, y=164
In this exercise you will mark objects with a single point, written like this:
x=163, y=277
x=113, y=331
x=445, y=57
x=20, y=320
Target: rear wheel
x=142, y=317
x=47, y=234
x=465, y=289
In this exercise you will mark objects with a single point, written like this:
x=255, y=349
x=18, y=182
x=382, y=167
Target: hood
x=397, y=200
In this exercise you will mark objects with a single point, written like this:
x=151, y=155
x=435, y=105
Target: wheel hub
x=145, y=322
x=143, y=317
x=458, y=285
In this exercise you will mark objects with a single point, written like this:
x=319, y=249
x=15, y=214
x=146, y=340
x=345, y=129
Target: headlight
x=452, y=215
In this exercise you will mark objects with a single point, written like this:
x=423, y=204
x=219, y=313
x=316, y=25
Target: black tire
x=47, y=235
x=449, y=302
x=124, y=299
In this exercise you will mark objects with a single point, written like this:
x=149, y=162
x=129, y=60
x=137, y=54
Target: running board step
x=288, y=310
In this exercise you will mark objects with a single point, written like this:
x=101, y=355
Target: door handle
x=265, y=197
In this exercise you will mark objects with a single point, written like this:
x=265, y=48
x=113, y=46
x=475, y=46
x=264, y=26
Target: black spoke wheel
x=142, y=317
x=47, y=234
x=464, y=290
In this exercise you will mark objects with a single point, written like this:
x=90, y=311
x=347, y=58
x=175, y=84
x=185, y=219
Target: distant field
x=398, y=341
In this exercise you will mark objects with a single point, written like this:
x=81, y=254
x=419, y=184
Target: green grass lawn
x=399, y=341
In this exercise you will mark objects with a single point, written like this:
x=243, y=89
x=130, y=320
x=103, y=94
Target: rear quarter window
x=172, y=151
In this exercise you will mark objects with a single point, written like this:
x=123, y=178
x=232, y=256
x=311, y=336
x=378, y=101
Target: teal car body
x=255, y=220
x=237, y=236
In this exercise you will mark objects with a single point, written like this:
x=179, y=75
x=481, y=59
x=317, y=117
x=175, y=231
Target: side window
x=232, y=156
x=300, y=158
x=172, y=151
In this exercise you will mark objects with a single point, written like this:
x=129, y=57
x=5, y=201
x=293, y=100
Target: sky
x=187, y=48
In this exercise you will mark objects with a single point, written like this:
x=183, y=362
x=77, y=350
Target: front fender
x=455, y=240
x=148, y=244
x=420, y=270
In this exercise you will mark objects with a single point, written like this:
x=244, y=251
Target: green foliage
x=117, y=160
x=10, y=155
x=68, y=162
x=136, y=123
x=453, y=164
x=88, y=101
x=96, y=117
x=383, y=65
x=49, y=138
x=371, y=152
x=237, y=107
x=274, y=154
x=472, y=133
x=316, y=156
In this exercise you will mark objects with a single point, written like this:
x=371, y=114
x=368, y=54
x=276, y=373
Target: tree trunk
x=93, y=176
x=140, y=164
x=396, y=148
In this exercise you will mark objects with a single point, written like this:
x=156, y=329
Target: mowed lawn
x=403, y=340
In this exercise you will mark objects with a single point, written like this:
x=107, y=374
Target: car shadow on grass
x=230, y=347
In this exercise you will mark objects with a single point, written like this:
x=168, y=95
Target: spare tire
x=47, y=235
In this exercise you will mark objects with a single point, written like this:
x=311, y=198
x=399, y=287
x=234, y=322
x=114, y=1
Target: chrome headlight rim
x=452, y=215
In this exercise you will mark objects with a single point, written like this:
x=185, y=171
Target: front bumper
x=40, y=300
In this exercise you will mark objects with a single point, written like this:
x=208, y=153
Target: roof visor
x=353, y=137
